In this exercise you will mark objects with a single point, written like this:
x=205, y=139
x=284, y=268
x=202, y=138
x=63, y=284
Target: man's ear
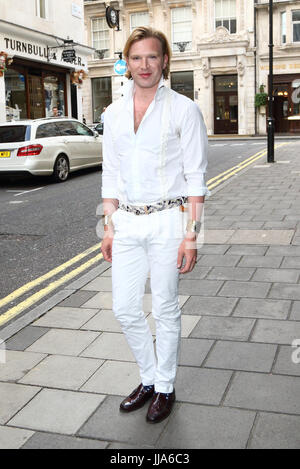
x=166, y=60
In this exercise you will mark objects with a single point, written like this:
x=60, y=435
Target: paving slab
x=276, y=275
x=51, y=441
x=103, y=321
x=57, y=411
x=265, y=392
x=217, y=236
x=213, y=260
x=13, y=438
x=65, y=317
x=241, y=356
x=295, y=313
x=204, y=287
x=293, y=251
x=245, y=250
x=200, y=385
x=262, y=308
x=209, y=306
x=62, y=372
x=230, y=273
x=288, y=361
x=114, y=378
x=77, y=299
x=223, y=328
x=276, y=431
x=110, y=346
x=13, y=397
x=245, y=289
x=109, y=424
x=266, y=237
x=198, y=272
x=18, y=363
x=25, y=337
x=289, y=291
x=276, y=332
x=99, y=284
x=206, y=427
x=291, y=262
x=63, y=342
x=194, y=351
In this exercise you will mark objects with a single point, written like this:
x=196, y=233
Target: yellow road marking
x=28, y=286
x=11, y=313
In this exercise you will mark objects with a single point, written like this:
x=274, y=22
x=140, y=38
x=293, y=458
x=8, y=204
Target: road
x=44, y=224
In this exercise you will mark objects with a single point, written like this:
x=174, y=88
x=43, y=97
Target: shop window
x=41, y=8
x=54, y=90
x=225, y=14
x=15, y=94
x=140, y=18
x=283, y=27
x=183, y=83
x=102, y=96
x=296, y=25
x=100, y=36
x=181, y=28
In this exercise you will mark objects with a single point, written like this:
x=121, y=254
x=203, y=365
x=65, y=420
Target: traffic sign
x=120, y=67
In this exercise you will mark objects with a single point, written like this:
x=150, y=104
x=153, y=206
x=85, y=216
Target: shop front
x=286, y=92
x=38, y=79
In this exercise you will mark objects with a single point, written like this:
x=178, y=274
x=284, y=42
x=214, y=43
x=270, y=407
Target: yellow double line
x=14, y=311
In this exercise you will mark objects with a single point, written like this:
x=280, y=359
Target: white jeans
x=142, y=243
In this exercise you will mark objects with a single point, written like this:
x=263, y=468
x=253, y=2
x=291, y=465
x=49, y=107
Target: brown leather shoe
x=160, y=406
x=137, y=398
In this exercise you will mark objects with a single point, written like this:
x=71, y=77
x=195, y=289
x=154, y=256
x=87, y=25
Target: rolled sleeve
x=110, y=166
x=194, y=144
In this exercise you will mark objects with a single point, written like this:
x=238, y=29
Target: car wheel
x=61, y=169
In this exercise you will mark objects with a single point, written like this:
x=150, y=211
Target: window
x=100, y=35
x=183, y=83
x=41, y=8
x=15, y=92
x=47, y=130
x=283, y=27
x=225, y=14
x=66, y=128
x=296, y=25
x=102, y=96
x=54, y=92
x=82, y=129
x=140, y=18
x=181, y=28
x=14, y=133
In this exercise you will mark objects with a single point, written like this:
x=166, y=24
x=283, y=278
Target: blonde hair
x=144, y=32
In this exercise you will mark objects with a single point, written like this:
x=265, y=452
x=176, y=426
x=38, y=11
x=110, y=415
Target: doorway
x=226, y=104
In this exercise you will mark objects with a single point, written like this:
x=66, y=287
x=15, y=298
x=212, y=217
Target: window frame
x=225, y=18
x=38, y=9
x=93, y=20
x=293, y=23
x=282, y=25
x=137, y=13
x=189, y=46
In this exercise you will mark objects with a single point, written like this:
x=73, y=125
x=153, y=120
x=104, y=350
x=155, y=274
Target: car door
x=69, y=137
x=92, y=148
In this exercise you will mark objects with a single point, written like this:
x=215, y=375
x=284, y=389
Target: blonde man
x=155, y=157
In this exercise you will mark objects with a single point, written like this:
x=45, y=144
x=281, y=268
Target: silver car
x=51, y=146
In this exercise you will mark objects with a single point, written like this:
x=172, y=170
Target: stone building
x=35, y=73
x=220, y=58
x=286, y=67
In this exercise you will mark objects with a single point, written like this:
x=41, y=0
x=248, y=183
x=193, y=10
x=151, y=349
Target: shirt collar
x=129, y=89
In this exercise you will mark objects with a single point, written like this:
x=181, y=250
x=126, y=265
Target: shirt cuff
x=198, y=192
x=109, y=194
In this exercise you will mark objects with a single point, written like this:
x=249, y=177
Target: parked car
x=49, y=146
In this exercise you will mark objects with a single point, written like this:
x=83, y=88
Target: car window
x=14, y=133
x=82, y=129
x=47, y=130
x=66, y=128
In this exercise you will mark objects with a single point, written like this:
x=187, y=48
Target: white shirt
x=167, y=156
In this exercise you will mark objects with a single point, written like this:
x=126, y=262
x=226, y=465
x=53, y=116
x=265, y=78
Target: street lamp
x=271, y=119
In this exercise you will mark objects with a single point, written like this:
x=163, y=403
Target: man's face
x=146, y=62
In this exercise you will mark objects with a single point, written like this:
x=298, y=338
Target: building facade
x=212, y=63
x=286, y=67
x=38, y=77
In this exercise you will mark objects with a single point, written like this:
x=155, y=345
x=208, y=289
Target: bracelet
x=106, y=220
x=193, y=226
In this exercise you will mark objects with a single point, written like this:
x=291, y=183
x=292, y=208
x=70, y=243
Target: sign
x=77, y=11
x=68, y=55
x=120, y=67
x=112, y=18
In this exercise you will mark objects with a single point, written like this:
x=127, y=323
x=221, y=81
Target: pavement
x=67, y=365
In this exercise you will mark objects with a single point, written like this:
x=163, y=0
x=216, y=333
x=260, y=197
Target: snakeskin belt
x=156, y=207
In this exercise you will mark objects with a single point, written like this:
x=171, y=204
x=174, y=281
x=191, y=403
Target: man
x=154, y=157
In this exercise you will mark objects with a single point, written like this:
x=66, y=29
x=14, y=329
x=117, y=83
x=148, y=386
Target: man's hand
x=187, y=251
x=106, y=245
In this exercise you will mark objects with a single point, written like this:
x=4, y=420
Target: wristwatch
x=193, y=226
x=106, y=220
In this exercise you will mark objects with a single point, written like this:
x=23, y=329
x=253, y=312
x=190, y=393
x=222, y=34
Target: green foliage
x=261, y=99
